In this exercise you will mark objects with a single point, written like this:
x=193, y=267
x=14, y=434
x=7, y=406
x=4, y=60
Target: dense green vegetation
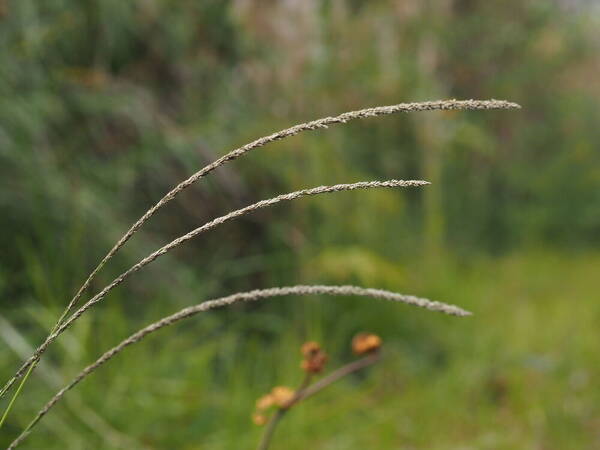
x=106, y=104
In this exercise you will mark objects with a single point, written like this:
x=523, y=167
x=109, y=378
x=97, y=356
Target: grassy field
x=105, y=105
x=520, y=373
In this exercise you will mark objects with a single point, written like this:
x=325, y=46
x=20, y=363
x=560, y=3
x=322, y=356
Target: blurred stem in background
x=432, y=133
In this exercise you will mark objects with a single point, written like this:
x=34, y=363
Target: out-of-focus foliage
x=106, y=104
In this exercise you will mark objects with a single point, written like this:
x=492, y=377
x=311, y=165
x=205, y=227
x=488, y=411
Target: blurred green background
x=107, y=104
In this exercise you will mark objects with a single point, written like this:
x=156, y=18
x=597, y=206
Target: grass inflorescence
x=68, y=317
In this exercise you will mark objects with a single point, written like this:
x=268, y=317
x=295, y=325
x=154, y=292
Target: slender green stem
x=16, y=394
x=26, y=376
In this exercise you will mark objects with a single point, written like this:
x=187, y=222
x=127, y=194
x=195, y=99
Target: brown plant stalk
x=272, y=425
x=255, y=295
x=308, y=390
x=208, y=226
x=234, y=154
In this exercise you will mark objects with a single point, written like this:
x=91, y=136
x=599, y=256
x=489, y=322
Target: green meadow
x=106, y=105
